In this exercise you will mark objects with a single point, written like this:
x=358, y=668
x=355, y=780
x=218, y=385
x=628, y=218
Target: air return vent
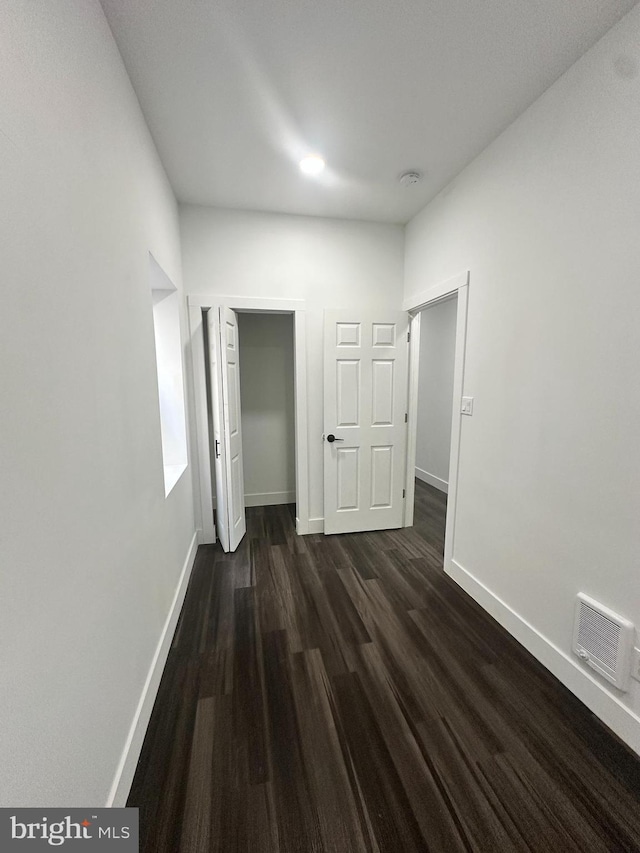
x=603, y=639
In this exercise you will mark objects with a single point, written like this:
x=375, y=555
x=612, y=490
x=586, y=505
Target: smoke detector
x=410, y=178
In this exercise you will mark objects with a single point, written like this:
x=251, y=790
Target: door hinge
x=403, y=492
x=408, y=336
x=406, y=417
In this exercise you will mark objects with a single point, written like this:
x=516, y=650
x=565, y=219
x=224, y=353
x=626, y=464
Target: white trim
x=436, y=292
x=412, y=417
x=296, y=307
x=203, y=482
x=575, y=676
x=301, y=416
x=456, y=420
x=269, y=498
x=432, y=480
x=131, y=753
x=247, y=303
x=315, y=525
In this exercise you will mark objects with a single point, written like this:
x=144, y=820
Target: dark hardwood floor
x=341, y=694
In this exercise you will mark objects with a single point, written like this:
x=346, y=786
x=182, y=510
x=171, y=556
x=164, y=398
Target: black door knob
x=331, y=438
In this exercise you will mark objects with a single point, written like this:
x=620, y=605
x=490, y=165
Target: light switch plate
x=467, y=406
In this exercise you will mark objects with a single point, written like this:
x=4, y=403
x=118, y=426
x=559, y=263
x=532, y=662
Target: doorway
x=213, y=360
x=434, y=408
x=267, y=408
x=455, y=289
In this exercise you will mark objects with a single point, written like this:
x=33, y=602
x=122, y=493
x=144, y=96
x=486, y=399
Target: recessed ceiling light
x=312, y=165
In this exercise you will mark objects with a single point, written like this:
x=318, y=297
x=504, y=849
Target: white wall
x=268, y=414
x=330, y=263
x=435, y=392
x=90, y=550
x=546, y=220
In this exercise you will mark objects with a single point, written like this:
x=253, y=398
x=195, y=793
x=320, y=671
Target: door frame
x=457, y=285
x=259, y=305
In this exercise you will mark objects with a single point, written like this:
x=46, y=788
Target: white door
x=217, y=419
x=365, y=404
x=227, y=434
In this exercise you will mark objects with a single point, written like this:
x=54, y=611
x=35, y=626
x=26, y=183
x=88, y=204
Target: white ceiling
x=237, y=91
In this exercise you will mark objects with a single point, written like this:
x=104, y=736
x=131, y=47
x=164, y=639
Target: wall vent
x=603, y=640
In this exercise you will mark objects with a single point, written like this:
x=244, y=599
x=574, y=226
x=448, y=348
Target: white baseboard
x=270, y=498
x=131, y=752
x=316, y=525
x=598, y=698
x=432, y=480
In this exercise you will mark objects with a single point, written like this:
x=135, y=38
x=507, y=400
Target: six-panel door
x=217, y=414
x=224, y=377
x=365, y=395
x=233, y=432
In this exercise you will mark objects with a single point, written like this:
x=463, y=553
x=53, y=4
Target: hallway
x=343, y=694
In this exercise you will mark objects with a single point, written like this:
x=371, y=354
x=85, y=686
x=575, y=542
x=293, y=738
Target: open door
x=227, y=434
x=365, y=405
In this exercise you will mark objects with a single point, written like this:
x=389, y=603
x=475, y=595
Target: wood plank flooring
x=343, y=694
